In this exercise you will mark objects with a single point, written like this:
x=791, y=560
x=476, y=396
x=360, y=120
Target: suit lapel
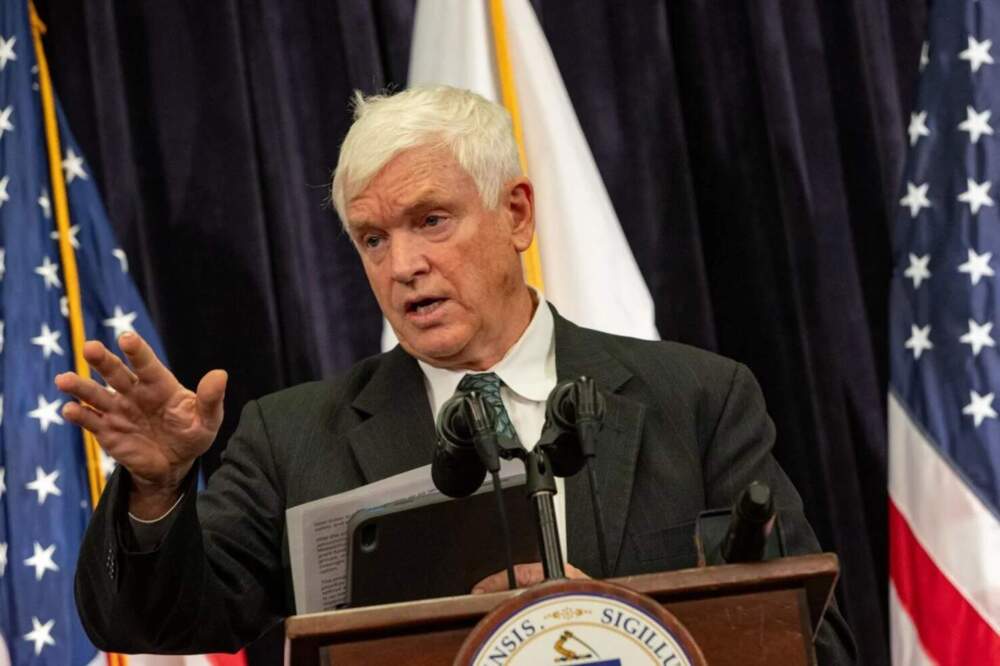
x=399, y=433
x=580, y=352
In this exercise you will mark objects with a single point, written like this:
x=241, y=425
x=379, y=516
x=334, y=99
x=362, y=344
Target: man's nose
x=408, y=258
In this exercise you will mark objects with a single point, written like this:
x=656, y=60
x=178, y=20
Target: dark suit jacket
x=685, y=430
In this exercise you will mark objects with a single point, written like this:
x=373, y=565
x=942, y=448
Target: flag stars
x=7, y=51
x=3, y=262
x=48, y=340
x=4, y=197
x=916, y=198
x=74, y=232
x=976, y=123
x=3, y=481
x=41, y=560
x=73, y=167
x=64, y=306
x=49, y=272
x=919, y=340
x=978, y=336
x=45, y=204
x=980, y=408
x=40, y=634
x=977, y=53
x=5, y=124
x=917, y=270
x=977, y=266
x=44, y=484
x=976, y=195
x=119, y=254
x=107, y=464
x=918, y=126
x=121, y=322
x=925, y=55
x=47, y=413
x=3, y=558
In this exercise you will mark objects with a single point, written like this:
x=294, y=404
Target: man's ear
x=520, y=205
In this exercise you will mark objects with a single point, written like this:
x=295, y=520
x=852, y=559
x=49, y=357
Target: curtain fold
x=752, y=152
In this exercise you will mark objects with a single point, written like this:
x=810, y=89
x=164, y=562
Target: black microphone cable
x=484, y=436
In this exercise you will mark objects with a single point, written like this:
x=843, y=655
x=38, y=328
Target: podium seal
x=580, y=623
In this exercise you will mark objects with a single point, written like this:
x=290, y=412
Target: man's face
x=445, y=270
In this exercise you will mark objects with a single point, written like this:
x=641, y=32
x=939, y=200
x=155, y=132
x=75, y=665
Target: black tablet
x=434, y=546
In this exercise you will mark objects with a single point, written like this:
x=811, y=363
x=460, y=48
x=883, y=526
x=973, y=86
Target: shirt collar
x=528, y=368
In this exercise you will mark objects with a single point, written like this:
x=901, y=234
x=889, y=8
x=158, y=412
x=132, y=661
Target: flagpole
x=508, y=95
x=68, y=257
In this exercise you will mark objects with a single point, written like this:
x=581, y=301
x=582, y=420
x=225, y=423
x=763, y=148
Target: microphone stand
x=589, y=413
x=541, y=487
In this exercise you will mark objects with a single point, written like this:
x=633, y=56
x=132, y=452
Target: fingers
x=528, y=574
x=211, y=391
x=147, y=367
x=495, y=583
x=525, y=575
x=86, y=390
x=83, y=416
x=115, y=373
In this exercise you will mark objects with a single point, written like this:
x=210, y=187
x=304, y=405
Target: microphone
x=750, y=525
x=456, y=469
x=574, y=414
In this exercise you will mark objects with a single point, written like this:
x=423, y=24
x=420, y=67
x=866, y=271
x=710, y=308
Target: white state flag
x=587, y=265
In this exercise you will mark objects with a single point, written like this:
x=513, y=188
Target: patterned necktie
x=487, y=384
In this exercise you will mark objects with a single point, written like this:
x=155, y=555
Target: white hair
x=478, y=133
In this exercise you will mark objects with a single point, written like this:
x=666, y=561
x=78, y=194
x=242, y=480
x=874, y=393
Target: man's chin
x=439, y=350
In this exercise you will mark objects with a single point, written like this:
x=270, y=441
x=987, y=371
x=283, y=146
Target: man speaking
x=431, y=193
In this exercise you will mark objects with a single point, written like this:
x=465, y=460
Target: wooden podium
x=761, y=613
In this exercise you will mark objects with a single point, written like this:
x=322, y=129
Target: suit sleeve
x=739, y=453
x=214, y=582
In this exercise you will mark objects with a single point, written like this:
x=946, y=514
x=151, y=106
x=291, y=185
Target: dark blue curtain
x=752, y=151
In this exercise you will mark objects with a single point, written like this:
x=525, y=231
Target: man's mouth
x=424, y=306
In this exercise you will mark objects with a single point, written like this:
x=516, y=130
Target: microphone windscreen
x=457, y=471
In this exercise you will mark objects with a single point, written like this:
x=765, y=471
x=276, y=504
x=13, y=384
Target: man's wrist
x=150, y=501
x=150, y=505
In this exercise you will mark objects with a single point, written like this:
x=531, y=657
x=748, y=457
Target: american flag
x=944, y=431
x=44, y=493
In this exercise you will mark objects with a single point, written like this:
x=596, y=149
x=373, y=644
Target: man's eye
x=372, y=241
x=433, y=220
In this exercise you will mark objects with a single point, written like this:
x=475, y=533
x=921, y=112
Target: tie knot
x=486, y=383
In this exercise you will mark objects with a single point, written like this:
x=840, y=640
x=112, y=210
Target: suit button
x=109, y=563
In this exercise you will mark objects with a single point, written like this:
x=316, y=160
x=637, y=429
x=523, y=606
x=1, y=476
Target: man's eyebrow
x=425, y=200
x=355, y=227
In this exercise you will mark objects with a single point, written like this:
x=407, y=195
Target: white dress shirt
x=528, y=373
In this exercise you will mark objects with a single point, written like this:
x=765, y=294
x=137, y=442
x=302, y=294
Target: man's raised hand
x=151, y=424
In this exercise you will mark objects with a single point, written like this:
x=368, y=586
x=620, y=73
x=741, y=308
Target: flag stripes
x=938, y=611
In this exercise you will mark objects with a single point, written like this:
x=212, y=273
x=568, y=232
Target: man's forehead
x=411, y=180
x=402, y=203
